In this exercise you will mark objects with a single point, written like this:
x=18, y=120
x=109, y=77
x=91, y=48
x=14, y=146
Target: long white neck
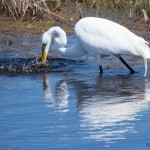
x=60, y=41
x=73, y=51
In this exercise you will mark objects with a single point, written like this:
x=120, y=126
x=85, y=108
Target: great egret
x=97, y=36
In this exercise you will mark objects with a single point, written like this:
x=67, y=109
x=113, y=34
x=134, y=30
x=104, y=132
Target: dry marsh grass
x=25, y=9
x=32, y=9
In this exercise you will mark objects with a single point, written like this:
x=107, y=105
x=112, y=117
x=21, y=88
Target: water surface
x=75, y=109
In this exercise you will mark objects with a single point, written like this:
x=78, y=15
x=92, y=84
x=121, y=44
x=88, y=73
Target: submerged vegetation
x=33, y=9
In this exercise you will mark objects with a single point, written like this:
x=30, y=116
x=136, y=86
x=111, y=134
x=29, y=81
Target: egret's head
x=59, y=37
x=46, y=41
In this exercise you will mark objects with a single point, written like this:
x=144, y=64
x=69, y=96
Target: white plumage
x=97, y=37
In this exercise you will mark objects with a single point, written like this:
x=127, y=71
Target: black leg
x=123, y=61
x=100, y=69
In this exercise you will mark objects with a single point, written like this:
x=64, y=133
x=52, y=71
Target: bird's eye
x=55, y=34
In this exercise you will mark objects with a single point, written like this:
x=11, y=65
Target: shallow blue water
x=75, y=110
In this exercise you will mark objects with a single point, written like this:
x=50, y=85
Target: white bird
x=97, y=36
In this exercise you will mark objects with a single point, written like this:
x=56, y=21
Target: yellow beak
x=44, y=54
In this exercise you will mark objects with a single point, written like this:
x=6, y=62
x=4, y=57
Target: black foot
x=100, y=69
x=132, y=72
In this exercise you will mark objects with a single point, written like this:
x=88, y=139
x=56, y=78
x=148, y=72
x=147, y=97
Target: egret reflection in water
x=106, y=106
x=59, y=97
